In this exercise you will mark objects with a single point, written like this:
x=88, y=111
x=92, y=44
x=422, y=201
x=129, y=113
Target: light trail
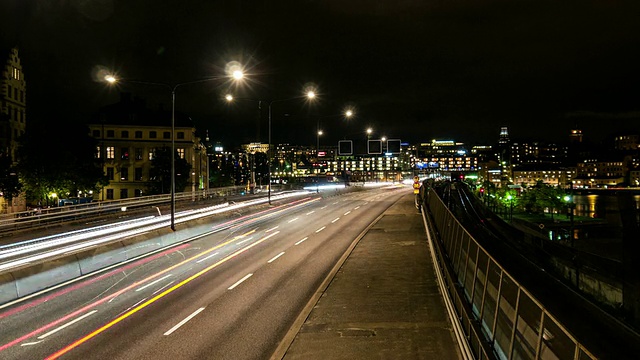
x=152, y=300
x=153, y=283
x=256, y=217
x=67, y=324
x=207, y=258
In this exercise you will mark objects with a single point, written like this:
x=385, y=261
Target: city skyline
x=413, y=71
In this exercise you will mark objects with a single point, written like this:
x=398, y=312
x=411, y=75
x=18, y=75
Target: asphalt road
x=231, y=294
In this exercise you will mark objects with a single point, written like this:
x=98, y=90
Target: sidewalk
x=384, y=301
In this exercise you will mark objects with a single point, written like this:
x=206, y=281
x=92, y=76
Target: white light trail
x=208, y=257
x=152, y=283
x=67, y=324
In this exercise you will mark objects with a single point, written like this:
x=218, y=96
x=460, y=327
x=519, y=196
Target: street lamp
x=310, y=95
x=510, y=199
x=236, y=74
x=571, y=205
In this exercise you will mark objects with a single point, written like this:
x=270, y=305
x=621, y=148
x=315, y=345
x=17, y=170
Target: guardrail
x=500, y=318
x=50, y=216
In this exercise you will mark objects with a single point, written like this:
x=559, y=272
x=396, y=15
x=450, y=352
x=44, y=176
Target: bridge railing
x=500, y=317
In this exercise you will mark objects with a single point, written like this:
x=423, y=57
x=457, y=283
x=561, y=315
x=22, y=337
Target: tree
x=10, y=186
x=160, y=172
x=59, y=160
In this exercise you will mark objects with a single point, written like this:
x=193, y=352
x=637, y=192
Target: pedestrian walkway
x=384, y=301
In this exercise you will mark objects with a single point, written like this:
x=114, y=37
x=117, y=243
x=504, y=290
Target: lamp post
x=571, y=205
x=510, y=198
x=309, y=95
x=235, y=74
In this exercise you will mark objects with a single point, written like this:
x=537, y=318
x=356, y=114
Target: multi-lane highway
x=230, y=294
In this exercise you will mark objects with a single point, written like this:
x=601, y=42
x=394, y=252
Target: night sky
x=414, y=70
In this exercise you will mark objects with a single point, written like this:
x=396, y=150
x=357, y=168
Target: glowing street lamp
x=235, y=74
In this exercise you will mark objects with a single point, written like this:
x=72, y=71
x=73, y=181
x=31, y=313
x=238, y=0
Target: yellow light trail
x=115, y=321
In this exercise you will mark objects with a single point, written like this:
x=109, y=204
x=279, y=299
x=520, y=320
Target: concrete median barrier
x=101, y=257
x=47, y=274
x=8, y=290
x=139, y=246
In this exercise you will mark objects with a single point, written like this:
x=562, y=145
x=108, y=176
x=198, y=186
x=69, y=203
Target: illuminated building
x=128, y=136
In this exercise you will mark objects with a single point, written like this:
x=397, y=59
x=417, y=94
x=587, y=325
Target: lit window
x=180, y=153
x=98, y=152
x=152, y=154
x=111, y=152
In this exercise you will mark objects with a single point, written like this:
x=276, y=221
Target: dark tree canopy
x=160, y=172
x=59, y=160
x=10, y=186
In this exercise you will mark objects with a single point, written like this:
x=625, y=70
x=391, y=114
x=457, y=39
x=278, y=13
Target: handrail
x=500, y=316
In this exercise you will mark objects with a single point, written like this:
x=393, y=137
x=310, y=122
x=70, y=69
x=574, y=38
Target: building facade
x=128, y=137
x=13, y=118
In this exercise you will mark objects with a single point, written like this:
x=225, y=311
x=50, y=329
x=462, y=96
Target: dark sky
x=413, y=69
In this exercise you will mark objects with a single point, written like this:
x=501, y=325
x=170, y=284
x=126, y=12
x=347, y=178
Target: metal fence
x=501, y=319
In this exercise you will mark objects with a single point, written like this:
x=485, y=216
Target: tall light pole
x=310, y=95
x=235, y=74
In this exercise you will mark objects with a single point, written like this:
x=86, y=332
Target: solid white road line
x=177, y=326
x=275, y=257
x=322, y=228
x=152, y=283
x=67, y=324
x=240, y=281
x=301, y=241
x=208, y=257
